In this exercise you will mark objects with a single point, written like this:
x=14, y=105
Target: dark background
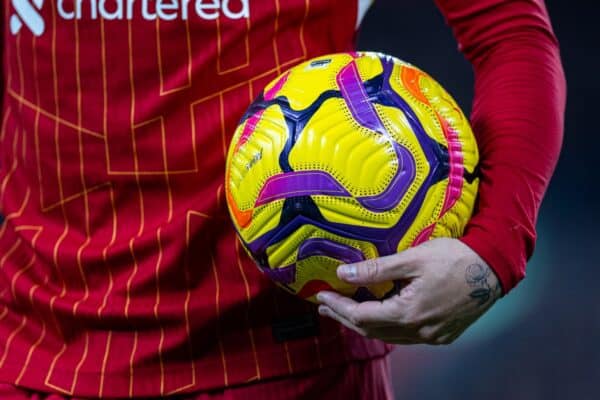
x=542, y=341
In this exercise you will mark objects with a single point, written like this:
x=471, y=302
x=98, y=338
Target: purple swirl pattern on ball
x=363, y=111
x=395, y=191
x=329, y=248
x=310, y=183
x=299, y=183
x=315, y=247
x=385, y=240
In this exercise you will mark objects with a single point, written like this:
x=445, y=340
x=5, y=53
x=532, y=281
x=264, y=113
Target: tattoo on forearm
x=477, y=276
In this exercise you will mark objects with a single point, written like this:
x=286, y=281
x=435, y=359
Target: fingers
x=390, y=335
x=434, y=305
x=369, y=313
x=395, y=267
x=328, y=312
x=386, y=321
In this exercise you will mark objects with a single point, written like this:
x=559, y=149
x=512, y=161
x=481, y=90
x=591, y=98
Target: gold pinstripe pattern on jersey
x=113, y=238
x=15, y=214
x=24, y=320
x=4, y=122
x=62, y=237
x=141, y=202
x=223, y=133
x=57, y=119
x=68, y=199
x=32, y=290
x=186, y=304
x=155, y=310
x=86, y=207
x=247, y=290
x=112, y=204
x=36, y=123
x=26, y=267
x=274, y=40
x=86, y=347
x=4, y=313
x=131, y=358
x=218, y=314
x=221, y=71
x=304, y=55
x=11, y=337
x=11, y=250
x=82, y=130
x=162, y=90
x=35, y=345
x=12, y=169
x=108, y=290
x=23, y=148
x=137, y=172
x=7, y=50
x=104, y=361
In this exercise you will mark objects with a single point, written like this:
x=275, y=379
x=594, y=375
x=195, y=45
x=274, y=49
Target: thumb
x=394, y=267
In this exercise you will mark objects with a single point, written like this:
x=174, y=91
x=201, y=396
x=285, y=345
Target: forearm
x=517, y=117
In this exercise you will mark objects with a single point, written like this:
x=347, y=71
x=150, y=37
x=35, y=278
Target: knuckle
x=371, y=269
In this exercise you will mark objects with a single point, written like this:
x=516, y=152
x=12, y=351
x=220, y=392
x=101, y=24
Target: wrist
x=501, y=251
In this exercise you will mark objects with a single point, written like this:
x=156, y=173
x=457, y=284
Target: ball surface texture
x=344, y=158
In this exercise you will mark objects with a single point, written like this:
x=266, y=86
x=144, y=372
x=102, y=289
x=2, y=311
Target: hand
x=446, y=286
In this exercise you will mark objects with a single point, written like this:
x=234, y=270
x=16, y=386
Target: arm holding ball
x=517, y=117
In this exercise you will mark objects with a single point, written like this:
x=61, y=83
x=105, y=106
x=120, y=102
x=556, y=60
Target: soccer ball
x=344, y=158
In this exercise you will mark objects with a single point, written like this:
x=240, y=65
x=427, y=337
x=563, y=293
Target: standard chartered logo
x=27, y=12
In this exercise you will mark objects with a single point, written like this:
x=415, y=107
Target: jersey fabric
x=120, y=272
x=356, y=380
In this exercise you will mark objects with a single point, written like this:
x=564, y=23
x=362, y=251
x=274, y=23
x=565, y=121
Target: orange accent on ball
x=410, y=79
x=242, y=218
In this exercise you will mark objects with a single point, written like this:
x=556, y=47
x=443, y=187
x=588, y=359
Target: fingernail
x=347, y=271
x=322, y=310
x=321, y=297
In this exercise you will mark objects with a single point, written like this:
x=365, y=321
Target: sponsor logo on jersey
x=28, y=12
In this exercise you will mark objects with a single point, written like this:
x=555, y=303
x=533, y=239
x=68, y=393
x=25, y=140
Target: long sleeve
x=517, y=117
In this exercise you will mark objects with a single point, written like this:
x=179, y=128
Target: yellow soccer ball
x=343, y=158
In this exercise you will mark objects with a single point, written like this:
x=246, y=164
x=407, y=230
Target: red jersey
x=120, y=273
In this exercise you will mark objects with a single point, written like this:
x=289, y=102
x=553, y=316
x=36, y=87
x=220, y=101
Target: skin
x=446, y=287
